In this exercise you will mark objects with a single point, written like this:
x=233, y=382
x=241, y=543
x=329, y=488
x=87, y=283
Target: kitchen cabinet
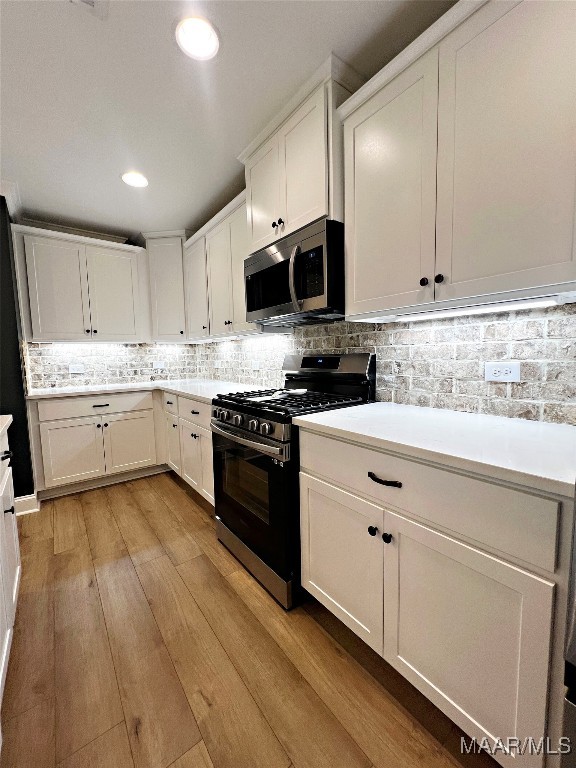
x=196, y=290
x=483, y=211
x=391, y=193
x=239, y=252
x=117, y=436
x=220, y=279
x=9, y=548
x=173, y=442
x=263, y=195
x=191, y=456
x=80, y=292
x=167, y=288
x=342, y=563
x=469, y=630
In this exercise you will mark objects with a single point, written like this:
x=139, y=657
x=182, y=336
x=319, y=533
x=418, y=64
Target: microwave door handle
x=296, y=303
x=269, y=450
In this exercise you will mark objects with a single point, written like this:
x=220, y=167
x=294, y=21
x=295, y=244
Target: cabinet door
x=342, y=563
x=390, y=195
x=506, y=160
x=220, y=279
x=207, y=485
x=173, y=442
x=303, y=153
x=114, y=294
x=58, y=289
x=72, y=450
x=239, y=251
x=191, y=462
x=469, y=630
x=6, y=632
x=9, y=549
x=167, y=288
x=196, y=290
x=262, y=195
x=129, y=441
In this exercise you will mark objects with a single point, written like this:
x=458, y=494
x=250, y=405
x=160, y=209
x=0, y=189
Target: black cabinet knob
x=424, y=281
x=87, y=330
x=6, y=455
x=387, y=538
x=274, y=225
x=98, y=426
x=106, y=424
x=280, y=222
x=372, y=530
x=94, y=331
x=204, y=327
x=439, y=278
x=182, y=333
x=227, y=322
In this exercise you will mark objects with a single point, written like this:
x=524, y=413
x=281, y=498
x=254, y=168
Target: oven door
x=256, y=498
x=287, y=281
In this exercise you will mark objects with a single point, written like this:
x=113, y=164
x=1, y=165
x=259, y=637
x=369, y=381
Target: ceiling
x=84, y=98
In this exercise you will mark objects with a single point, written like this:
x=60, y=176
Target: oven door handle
x=269, y=450
x=296, y=303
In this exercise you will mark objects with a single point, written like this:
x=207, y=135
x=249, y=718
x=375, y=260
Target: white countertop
x=201, y=389
x=536, y=454
x=5, y=422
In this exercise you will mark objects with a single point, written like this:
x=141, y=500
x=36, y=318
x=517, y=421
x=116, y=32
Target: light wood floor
x=140, y=642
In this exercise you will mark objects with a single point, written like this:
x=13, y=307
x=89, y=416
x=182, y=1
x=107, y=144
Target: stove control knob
x=224, y=415
x=266, y=428
x=253, y=425
x=238, y=420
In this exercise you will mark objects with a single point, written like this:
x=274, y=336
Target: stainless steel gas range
x=256, y=462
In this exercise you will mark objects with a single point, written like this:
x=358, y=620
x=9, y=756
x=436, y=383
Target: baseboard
x=23, y=505
x=100, y=482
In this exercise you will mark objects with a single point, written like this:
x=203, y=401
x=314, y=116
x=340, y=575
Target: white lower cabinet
x=79, y=449
x=191, y=461
x=469, y=630
x=172, y=442
x=190, y=448
x=342, y=564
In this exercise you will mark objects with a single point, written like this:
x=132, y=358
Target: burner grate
x=290, y=403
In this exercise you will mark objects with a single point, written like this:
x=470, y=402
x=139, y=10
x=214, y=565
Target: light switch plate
x=76, y=368
x=502, y=370
x=158, y=364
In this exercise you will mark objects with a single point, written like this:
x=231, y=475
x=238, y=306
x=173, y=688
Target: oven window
x=245, y=479
x=268, y=288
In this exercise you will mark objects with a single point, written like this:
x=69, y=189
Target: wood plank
x=30, y=678
x=225, y=562
x=308, y=731
x=28, y=738
x=158, y=717
x=232, y=727
x=101, y=526
x=111, y=750
x=197, y=757
x=87, y=696
x=180, y=502
x=69, y=528
x=383, y=729
x=177, y=542
x=141, y=541
x=37, y=525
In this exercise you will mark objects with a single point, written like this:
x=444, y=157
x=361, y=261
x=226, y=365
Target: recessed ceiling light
x=134, y=179
x=197, y=38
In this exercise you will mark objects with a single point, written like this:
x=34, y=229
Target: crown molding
x=219, y=217
x=183, y=233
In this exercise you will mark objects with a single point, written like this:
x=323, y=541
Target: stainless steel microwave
x=299, y=279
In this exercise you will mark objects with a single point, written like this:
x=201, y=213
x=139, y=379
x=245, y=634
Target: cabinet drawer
x=170, y=403
x=195, y=411
x=93, y=405
x=519, y=524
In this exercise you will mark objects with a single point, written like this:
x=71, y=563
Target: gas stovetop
x=286, y=402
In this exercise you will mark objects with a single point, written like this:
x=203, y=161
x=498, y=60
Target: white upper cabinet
x=167, y=288
x=196, y=290
x=78, y=290
x=220, y=278
x=303, y=165
x=263, y=195
x=506, y=159
x=239, y=251
x=390, y=171
x=58, y=289
x=114, y=294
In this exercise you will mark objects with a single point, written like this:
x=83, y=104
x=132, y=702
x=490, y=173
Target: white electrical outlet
x=255, y=365
x=158, y=364
x=502, y=370
x=218, y=364
x=76, y=368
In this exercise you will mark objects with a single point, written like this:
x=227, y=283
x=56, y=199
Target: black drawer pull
x=9, y=511
x=390, y=483
x=197, y=413
x=104, y=405
x=6, y=455
x=169, y=402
